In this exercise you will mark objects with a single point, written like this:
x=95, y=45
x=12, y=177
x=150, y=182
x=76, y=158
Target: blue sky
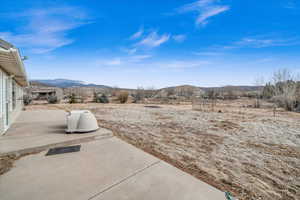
x=130, y=43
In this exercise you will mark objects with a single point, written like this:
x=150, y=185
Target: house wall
x=13, y=92
x=2, y=101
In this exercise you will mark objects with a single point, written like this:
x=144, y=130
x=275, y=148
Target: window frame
x=13, y=94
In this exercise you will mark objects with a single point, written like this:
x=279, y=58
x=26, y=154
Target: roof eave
x=16, y=69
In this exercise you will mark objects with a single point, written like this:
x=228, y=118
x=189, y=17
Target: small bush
x=52, y=99
x=72, y=99
x=101, y=98
x=123, y=97
x=139, y=95
x=257, y=103
x=297, y=106
x=75, y=99
x=27, y=99
x=288, y=104
x=268, y=91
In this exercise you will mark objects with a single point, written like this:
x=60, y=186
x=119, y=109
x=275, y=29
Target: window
x=13, y=94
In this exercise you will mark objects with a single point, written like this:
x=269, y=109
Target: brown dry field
x=246, y=151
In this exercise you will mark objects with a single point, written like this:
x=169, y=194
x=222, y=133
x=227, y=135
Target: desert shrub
x=185, y=92
x=251, y=94
x=101, y=98
x=75, y=99
x=257, y=96
x=229, y=93
x=256, y=103
x=268, y=91
x=123, y=96
x=284, y=91
x=150, y=92
x=27, y=99
x=211, y=94
x=95, y=97
x=139, y=95
x=170, y=91
x=72, y=99
x=114, y=91
x=284, y=102
x=52, y=99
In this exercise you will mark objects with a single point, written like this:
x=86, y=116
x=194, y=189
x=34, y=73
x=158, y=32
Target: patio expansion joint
x=123, y=180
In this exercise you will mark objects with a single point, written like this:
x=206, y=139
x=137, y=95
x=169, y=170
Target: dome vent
x=81, y=121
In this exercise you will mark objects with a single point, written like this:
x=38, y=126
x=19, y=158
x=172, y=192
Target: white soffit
x=11, y=62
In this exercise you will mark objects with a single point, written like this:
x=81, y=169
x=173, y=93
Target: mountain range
x=66, y=83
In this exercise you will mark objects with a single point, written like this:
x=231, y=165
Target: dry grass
x=242, y=150
x=7, y=161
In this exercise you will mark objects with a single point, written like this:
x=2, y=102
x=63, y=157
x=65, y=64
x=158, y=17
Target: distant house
x=42, y=93
x=12, y=80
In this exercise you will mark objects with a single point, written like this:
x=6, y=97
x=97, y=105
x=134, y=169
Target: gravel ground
x=246, y=151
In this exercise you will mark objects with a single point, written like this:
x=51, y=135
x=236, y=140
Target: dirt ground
x=246, y=151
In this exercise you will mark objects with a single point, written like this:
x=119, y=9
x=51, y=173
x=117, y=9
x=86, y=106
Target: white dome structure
x=81, y=121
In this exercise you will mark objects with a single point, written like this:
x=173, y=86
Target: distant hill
x=190, y=90
x=235, y=88
x=181, y=90
x=66, y=83
x=39, y=84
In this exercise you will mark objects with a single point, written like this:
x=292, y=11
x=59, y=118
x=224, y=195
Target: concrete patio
x=40, y=129
x=105, y=168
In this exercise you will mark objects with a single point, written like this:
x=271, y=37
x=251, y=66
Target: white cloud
x=153, y=40
x=290, y=4
x=138, y=34
x=140, y=62
x=202, y=19
x=129, y=51
x=264, y=60
x=183, y=64
x=46, y=29
x=262, y=42
x=143, y=62
x=139, y=58
x=114, y=61
x=267, y=42
x=36, y=42
x=179, y=38
x=122, y=61
x=205, y=9
x=208, y=53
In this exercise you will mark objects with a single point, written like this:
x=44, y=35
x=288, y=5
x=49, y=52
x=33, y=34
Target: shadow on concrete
x=57, y=129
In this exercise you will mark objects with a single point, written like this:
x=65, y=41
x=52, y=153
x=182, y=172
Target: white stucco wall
x=15, y=105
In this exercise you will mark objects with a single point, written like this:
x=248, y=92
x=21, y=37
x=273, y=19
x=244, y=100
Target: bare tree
x=212, y=98
x=229, y=92
x=259, y=82
x=150, y=92
x=139, y=94
x=285, y=89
